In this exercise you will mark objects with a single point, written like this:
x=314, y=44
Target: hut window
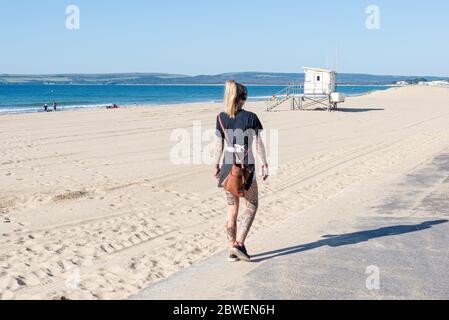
x=318, y=78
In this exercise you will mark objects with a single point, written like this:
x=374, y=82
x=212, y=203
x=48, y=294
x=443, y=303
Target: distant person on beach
x=234, y=126
x=46, y=107
x=55, y=106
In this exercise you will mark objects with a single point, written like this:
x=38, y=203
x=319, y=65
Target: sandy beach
x=91, y=206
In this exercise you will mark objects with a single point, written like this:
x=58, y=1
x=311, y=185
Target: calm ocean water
x=31, y=98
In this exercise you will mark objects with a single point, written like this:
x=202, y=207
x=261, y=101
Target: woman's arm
x=218, y=153
x=260, y=146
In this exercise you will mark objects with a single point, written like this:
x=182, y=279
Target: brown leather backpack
x=236, y=180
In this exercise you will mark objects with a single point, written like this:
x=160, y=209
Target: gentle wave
x=50, y=108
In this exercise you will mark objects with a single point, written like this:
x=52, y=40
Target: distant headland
x=249, y=78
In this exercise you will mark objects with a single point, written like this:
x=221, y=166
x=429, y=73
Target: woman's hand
x=265, y=172
x=217, y=172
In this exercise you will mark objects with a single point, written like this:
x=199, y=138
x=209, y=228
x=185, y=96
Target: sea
x=31, y=98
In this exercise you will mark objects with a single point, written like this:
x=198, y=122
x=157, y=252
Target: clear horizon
x=208, y=38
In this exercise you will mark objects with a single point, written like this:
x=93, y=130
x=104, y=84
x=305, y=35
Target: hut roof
x=318, y=70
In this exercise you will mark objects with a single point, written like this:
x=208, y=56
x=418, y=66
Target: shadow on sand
x=356, y=110
x=348, y=239
x=349, y=110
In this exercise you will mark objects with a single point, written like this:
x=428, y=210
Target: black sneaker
x=233, y=258
x=241, y=253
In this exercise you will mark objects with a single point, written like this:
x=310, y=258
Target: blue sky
x=209, y=37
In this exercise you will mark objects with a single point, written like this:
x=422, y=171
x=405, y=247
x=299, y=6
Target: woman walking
x=236, y=131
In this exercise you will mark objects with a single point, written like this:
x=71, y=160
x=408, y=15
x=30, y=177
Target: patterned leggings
x=252, y=205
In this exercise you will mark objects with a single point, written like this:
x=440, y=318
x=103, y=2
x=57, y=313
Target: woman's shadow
x=348, y=239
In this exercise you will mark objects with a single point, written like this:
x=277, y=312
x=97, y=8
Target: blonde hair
x=234, y=93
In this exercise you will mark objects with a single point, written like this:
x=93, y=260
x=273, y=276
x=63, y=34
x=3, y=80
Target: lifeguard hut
x=319, y=82
x=318, y=90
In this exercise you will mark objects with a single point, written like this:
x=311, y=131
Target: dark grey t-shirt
x=241, y=130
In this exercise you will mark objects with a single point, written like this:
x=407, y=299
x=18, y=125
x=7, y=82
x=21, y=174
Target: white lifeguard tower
x=319, y=89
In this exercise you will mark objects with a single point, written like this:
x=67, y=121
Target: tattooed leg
x=232, y=234
x=231, y=199
x=252, y=205
x=231, y=225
